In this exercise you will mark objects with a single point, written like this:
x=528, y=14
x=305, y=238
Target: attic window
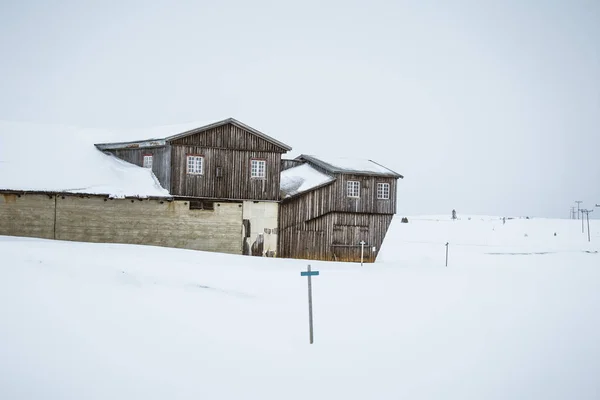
x=353, y=189
x=258, y=168
x=147, y=163
x=383, y=191
x=195, y=164
x=202, y=205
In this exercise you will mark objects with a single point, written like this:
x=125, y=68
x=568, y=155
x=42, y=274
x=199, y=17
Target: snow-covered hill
x=512, y=317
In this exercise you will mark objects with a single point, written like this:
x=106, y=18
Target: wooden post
x=362, y=251
x=308, y=273
x=310, y=313
x=447, y=253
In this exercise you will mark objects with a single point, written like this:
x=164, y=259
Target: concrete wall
x=260, y=228
x=149, y=222
x=27, y=215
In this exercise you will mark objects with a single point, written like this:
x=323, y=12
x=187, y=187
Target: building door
x=346, y=243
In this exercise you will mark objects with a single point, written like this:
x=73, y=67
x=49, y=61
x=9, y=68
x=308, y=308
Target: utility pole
x=582, y=230
x=578, y=203
x=587, y=215
x=572, y=216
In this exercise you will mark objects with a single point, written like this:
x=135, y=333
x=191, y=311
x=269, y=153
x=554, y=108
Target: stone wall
x=103, y=220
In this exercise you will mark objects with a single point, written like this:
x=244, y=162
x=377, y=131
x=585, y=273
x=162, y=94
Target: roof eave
x=308, y=190
x=336, y=170
x=138, y=144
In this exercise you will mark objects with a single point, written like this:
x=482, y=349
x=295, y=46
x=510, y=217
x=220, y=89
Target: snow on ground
x=100, y=321
x=302, y=178
x=39, y=157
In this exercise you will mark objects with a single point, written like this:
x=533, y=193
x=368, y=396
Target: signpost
x=308, y=273
x=447, y=243
x=362, y=251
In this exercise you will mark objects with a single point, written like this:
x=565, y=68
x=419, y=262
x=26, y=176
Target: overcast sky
x=487, y=107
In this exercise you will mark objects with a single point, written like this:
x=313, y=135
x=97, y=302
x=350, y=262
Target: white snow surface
x=354, y=164
x=502, y=321
x=40, y=157
x=301, y=179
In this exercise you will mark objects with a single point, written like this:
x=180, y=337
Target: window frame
x=144, y=156
x=187, y=164
x=355, y=186
x=259, y=160
x=383, y=192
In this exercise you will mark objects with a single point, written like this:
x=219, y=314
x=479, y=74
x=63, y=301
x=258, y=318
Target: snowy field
x=515, y=315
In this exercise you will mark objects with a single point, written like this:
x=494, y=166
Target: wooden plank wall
x=287, y=164
x=368, y=202
x=333, y=197
x=230, y=148
x=335, y=237
x=161, y=161
x=235, y=182
x=305, y=207
x=229, y=137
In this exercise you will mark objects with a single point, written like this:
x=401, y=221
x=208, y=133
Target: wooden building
x=330, y=206
x=219, y=187
x=223, y=161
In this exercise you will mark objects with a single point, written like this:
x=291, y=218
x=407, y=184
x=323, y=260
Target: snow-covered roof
x=54, y=158
x=301, y=179
x=158, y=136
x=349, y=165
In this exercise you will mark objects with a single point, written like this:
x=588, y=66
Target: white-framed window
x=147, y=163
x=383, y=191
x=353, y=189
x=258, y=168
x=195, y=165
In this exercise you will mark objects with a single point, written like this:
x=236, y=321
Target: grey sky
x=486, y=107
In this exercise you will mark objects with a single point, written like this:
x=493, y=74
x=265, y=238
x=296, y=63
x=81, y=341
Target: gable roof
x=301, y=179
x=62, y=159
x=174, y=132
x=345, y=165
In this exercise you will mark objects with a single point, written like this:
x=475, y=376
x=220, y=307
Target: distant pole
x=578, y=203
x=447, y=253
x=572, y=216
x=362, y=251
x=308, y=273
x=587, y=215
x=582, y=229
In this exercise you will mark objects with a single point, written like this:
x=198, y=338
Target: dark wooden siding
x=337, y=223
x=367, y=202
x=335, y=237
x=234, y=182
x=161, y=161
x=333, y=197
x=229, y=137
x=305, y=207
x=287, y=164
